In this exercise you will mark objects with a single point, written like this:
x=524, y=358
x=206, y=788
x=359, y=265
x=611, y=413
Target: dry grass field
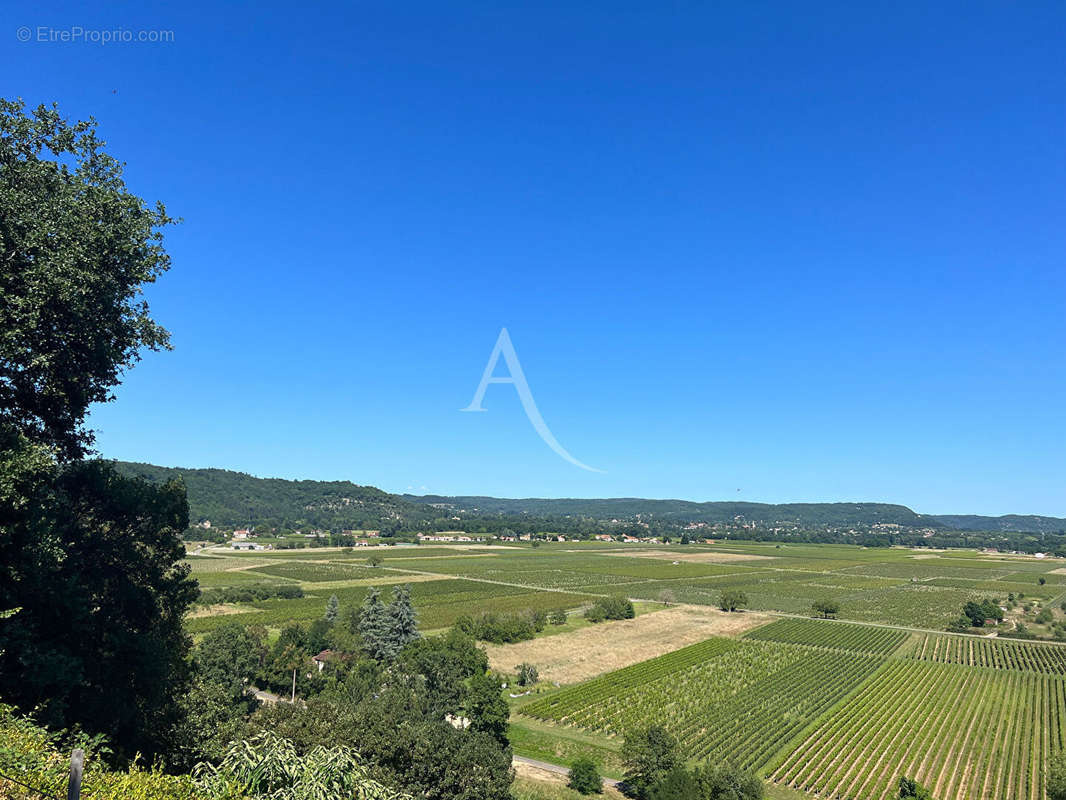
x=533, y=783
x=585, y=653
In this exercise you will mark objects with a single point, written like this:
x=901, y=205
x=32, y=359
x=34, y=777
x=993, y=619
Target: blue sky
x=759, y=251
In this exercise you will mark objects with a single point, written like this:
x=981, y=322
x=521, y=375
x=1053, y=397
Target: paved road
x=544, y=765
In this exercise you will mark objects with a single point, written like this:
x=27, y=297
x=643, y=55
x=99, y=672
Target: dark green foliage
x=679, y=784
x=486, y=707
x=909, y=788
x=76, y=249
x=403, y=624
x=249, y=594
x=1056, y=777
x=318, y=638
x=558, y=616
x=498, y=628
x=92, y=561
x=649, y=755
x=526, y=674
x=707, y=782
x=732, y=600
x=333, y=607
x=961, y=625
x=229, y=657
x=402, y=734
x=584, y=777
x=826, y=609
x=235, y=499
x=387, y=629
x=374, y=627
x=445, y=662
x=610, y=608
x=979, y=612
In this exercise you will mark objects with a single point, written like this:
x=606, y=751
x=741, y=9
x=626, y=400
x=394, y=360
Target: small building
x=325, y=657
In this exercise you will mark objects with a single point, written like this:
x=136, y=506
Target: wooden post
x=294, y=686
x=77, y=762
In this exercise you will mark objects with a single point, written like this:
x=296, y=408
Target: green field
x=737, y=700
x=819, y=633
x=966, y=732
x=829, y=708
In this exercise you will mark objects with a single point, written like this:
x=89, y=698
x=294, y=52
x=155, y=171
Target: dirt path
x=555, y=769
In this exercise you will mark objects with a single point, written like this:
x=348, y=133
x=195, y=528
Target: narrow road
x=548, y=767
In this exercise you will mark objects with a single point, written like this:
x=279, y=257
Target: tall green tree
x=374, y=626
x=93, y=563
x=76, y=249
x=333, y=607
x=486, y=707
x=403, y=623
x=229, y=656
x=648, y=756
x=91, y=559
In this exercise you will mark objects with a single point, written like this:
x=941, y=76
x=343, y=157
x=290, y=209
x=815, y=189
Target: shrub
x=584, y=777
x=610, y=608
x=527, y=674
x=732, y=600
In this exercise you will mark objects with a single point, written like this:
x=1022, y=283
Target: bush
x=610, y=608
x=826, y=608
x=732, y=600
x=250, y=594
x=527, y=674
x=498, y=628
x=557, y=617
x=584, y=777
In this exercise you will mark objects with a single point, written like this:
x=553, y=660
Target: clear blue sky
x=760, y=251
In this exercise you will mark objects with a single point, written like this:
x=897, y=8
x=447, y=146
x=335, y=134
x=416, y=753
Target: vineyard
x=1048, y=659
x=315, y=573
x=841, y=636
x=736, y=700
x=966, y=733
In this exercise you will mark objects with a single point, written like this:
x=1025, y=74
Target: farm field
x=1047, y=659
x=735, y=700
x=822, y=708
x=857, y=638
x=582, y=654
x=965, y=732
x=882, y=585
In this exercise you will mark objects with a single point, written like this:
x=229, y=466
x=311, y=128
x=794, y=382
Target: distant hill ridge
x=237, y=498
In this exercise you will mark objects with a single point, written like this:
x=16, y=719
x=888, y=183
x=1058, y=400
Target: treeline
x=249, y=594
x=235, y=499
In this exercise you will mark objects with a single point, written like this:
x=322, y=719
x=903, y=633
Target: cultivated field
x=965, y=732
x=736, y=700
x=831, y=709
x=582, y=654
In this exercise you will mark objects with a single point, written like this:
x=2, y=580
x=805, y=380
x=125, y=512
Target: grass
x=544, y=742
